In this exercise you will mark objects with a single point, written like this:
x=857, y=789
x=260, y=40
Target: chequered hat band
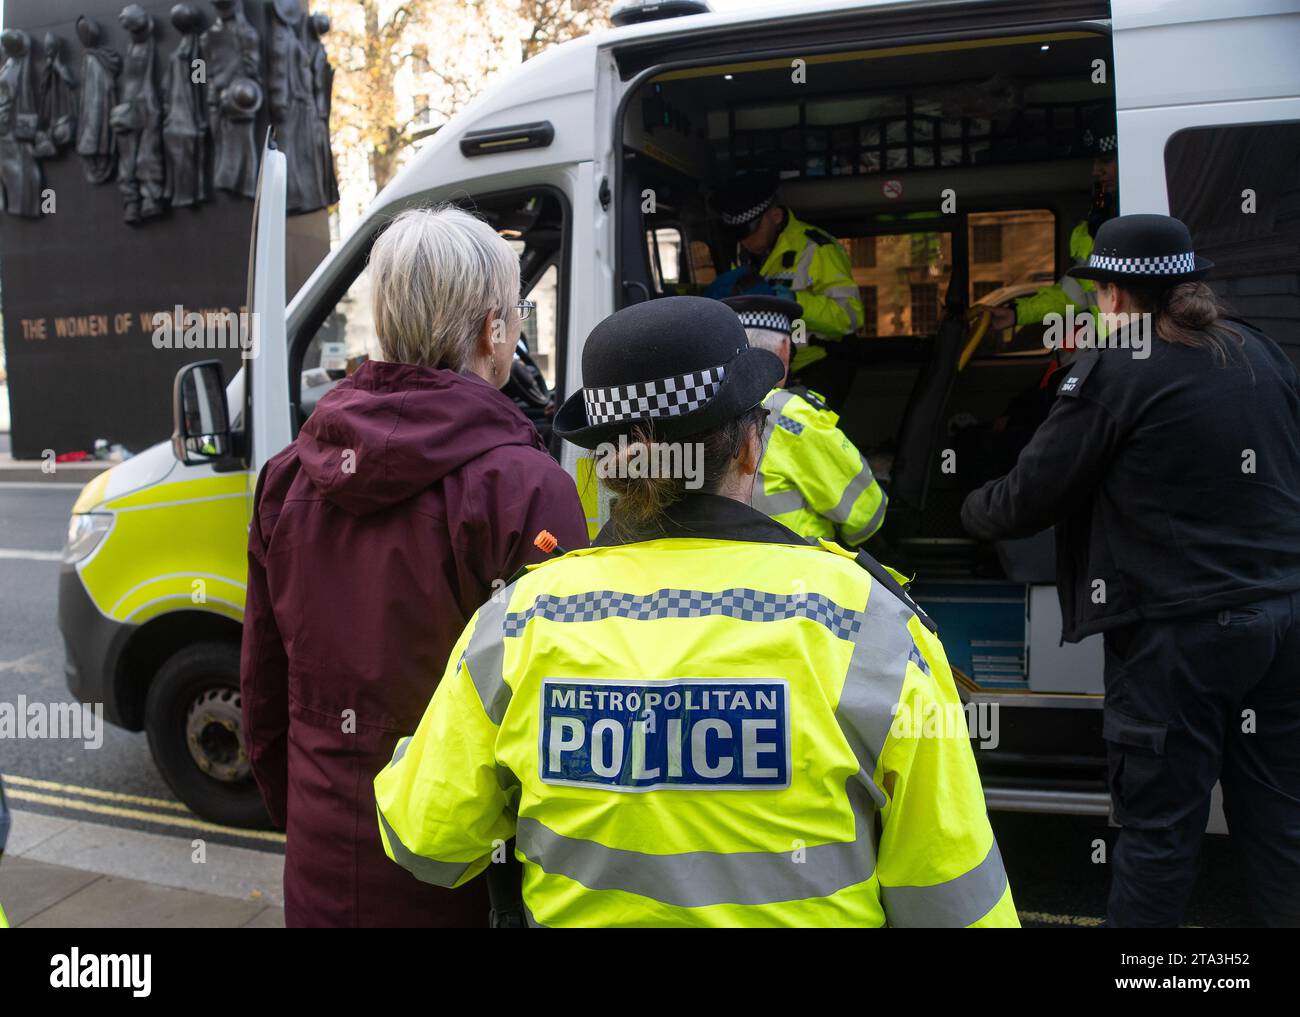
x=750, y=213
x=1108, y=144
x=664, y=397
x=1165, y=264
x=772, y=320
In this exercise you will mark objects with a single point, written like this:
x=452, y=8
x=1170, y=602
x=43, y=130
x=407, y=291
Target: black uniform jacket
x=1173, y=481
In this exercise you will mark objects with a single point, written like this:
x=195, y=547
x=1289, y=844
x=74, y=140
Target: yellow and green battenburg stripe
x=874, y=826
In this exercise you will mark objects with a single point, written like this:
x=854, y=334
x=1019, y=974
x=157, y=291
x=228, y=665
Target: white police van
x=938, y=141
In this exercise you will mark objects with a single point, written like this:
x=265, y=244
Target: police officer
x=606, y=708
x=811, y=477
x=1102, y=140
x=989, y=450
x=1173, y=478
x=780, y=255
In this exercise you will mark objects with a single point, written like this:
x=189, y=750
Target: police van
x=936, y=141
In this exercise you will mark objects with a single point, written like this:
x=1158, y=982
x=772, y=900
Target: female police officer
x=693, y=721
x=1172, y=471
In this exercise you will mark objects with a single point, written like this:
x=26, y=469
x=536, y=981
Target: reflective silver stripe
x=695, y=879
x=777, y=400
x=400, y=750
x=872, y=524
x=778, y=502
x=1076, y=294
x=841, y=512
x=844, y=296
x=954, y=904
x=485, y=656
x=774, y=404
x=427, y=870
x=873, y=683
x=803, y=271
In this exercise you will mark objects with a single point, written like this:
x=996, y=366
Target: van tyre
x=192, y=718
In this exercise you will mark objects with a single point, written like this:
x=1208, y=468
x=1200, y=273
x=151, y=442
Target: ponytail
x=1188, y=314
x=642, y=500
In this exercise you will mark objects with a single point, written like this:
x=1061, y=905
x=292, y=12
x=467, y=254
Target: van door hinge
x=604, y=194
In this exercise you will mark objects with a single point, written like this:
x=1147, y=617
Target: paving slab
x=111, y=903
x=28, y=888
x=227, y=871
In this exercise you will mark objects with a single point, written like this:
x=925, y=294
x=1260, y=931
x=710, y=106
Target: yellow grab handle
x=977, y=319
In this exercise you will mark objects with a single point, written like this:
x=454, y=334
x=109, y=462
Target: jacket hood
x=406, y=428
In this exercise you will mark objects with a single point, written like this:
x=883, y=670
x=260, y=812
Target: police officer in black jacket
x=1171, y=469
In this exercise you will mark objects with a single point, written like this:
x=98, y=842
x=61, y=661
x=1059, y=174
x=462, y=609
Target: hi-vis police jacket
x=696, y=730
x=820, y=274
x=1081, y=293
x=812, y=479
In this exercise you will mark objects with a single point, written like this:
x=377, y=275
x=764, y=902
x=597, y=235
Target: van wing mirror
x=200, y=417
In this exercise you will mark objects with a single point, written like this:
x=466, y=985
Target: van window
x=541, y=328
x=535, y=224
x=1238, y=190
x=665, y=249
x=902, y=279
x=1012, y=254
x=347, y=335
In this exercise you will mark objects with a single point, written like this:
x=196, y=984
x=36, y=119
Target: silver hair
x=435, y=276
x=767, y=339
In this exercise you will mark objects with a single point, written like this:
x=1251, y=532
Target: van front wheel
x=192, y=718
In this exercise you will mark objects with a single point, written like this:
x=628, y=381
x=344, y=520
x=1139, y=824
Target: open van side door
x=266, y=400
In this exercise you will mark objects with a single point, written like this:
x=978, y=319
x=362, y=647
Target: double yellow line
x=118, y=804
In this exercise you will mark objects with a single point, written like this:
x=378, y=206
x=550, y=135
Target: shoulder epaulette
x=819, y=237
x=1077, y=374
x=881, y=575
x=812, y=398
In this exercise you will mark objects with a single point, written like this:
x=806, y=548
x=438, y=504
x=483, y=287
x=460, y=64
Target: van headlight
x=85, y=531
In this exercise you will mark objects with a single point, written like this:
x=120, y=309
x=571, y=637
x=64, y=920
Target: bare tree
x=453, y=47
x=549, y=22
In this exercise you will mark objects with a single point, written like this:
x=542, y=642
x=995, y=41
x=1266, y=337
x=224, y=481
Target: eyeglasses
x=525, y=309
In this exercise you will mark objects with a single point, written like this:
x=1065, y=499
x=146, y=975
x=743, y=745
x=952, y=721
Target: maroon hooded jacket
x=375, y=537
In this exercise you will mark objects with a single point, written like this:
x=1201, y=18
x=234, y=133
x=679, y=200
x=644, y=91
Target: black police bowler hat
x=1101, y=134
x=776, y=314
x=683, y=363
x=1154, y=248
x=743, y=199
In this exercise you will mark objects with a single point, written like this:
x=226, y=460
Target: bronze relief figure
x=58, y=101
x=323, y=86
x=291, y=94
x=185, y=115
x=100, y=68
x=231, y=49
x=137, y=122
x=20, y=173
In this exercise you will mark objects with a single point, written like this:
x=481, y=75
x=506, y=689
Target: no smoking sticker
x=892, y=188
